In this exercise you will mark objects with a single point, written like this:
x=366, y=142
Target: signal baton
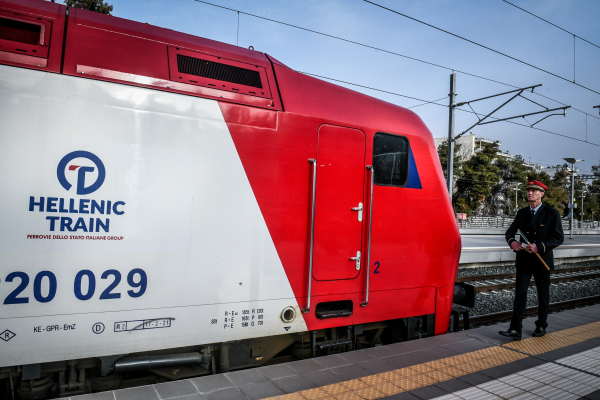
x=538, y=256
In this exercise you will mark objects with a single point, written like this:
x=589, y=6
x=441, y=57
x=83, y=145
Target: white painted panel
x=190, y=221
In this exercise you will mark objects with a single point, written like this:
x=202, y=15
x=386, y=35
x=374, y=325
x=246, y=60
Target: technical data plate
x=125, y=326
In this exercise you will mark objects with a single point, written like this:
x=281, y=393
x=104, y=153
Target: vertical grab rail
x=312, y=231
x=364, y=303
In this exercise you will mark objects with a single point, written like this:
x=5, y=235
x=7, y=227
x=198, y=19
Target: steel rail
x=503, y=315
x=513, y=275
x=558, y=279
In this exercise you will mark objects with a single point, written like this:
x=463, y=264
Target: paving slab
x=294, y=383
x=175, y=389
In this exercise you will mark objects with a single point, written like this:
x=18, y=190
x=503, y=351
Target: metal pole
x=516, y=201
x=312, y=231
x=572, y=199
x=450, y=163
x=581, y=223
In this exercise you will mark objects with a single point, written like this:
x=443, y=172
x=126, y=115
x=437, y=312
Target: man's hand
x=516, y=246
x=532, y=248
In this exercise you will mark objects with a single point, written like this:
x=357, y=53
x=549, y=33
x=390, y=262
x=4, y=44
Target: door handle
x=360, y=211
x=357, y=259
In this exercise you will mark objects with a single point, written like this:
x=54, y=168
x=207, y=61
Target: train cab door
x=339, y=207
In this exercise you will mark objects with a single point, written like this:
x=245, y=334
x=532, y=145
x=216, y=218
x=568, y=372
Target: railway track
x=485, y=283
x=496, y=288
x=504, y=315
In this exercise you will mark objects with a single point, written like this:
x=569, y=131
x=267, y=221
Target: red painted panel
x=443, y=309
x=414, y=237
x=123, y=47
x=383, y=306
x=20, y=59
x=116, y=76
x=340, y=175
x=51, y=18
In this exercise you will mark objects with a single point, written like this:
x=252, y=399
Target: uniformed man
x=542, y=227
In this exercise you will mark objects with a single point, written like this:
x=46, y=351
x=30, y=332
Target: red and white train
x=168, y=199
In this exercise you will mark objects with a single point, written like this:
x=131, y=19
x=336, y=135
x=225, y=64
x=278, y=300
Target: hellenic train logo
x=79, y=213
x=82, y=189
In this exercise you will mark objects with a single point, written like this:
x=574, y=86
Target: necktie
x=532, y=213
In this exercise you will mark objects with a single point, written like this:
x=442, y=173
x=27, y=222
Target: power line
x=532, y=127
x=562, y=29
x=370, y=88
x=400, y=55
x=427, y=102
x=480, y=45
x=382, y=50
x=348, y=41
x=444, y=105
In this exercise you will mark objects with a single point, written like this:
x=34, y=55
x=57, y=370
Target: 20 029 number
x=140, y=284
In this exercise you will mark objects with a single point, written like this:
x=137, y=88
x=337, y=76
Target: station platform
x=473, y=364
x=485, y=249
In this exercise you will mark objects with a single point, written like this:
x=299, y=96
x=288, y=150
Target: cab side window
x=390, y=160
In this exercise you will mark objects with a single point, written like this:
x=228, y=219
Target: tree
x=512, y=171
x=91, y=5
x=479, y=176
x=591, y=202
x=443, y=156
x=558, y=193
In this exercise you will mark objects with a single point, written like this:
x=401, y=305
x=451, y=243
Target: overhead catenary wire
x=428, y=102
x=548, y=22
x=383, y=50
x=480, y=45
x=444, y=105
x=404, y=56
x=370, y=88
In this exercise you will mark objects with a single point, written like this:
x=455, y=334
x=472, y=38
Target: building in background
x=471, y=144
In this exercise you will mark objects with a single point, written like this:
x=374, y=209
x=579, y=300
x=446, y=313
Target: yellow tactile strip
x=556, y=340
x=385, y=384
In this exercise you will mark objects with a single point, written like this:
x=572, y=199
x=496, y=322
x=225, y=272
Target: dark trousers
x=542, y=282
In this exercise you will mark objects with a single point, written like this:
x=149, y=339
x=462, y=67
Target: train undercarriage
x=76, y=377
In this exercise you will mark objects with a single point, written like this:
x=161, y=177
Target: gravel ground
x=502, y=300
x=497, y=301
x=479, y=271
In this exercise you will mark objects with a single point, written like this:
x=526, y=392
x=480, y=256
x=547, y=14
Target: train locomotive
x=169, y=200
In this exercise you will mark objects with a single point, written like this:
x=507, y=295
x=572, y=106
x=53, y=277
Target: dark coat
x=545, y=230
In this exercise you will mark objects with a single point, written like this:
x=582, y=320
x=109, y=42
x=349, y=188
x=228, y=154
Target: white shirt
x=535, y=209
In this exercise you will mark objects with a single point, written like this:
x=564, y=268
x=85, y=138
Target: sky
x=492, y=23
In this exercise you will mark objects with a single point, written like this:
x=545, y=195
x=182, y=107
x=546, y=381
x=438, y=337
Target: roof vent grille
x=218, y=71
x=17, y=31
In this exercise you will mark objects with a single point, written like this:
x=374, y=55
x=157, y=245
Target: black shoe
x=539, y=332
x=511, y=333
